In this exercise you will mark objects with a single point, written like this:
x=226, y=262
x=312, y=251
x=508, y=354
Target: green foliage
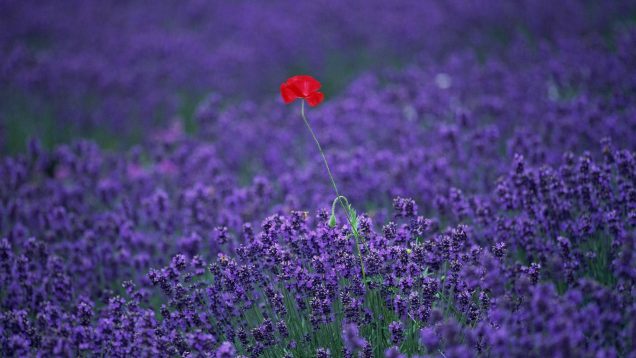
x=309, y=338
x=598, y=259
x=23, y=117
x=352, y=215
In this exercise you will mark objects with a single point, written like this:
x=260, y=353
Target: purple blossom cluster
x=544, y=266
x=496, y=188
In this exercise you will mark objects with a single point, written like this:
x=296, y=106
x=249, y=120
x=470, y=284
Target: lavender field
x=159, y=196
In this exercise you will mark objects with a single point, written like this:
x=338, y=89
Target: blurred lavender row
x=120, y=66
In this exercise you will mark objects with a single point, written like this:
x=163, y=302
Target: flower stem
x=339, y=197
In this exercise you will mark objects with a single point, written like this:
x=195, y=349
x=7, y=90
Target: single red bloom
x=303, y=87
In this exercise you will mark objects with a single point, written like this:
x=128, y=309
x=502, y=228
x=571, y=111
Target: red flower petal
x=288, y=94
x=305, y=84
x=315, y=98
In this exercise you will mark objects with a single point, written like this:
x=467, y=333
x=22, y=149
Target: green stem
x=339, y=197
x=344, y=205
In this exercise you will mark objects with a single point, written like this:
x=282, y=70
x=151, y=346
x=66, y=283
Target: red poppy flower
x=303, y=87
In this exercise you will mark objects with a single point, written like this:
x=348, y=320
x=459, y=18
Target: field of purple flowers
x=158, y=199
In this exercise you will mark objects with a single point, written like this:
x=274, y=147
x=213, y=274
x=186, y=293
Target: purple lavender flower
x=351, y=338
x=225, y=350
